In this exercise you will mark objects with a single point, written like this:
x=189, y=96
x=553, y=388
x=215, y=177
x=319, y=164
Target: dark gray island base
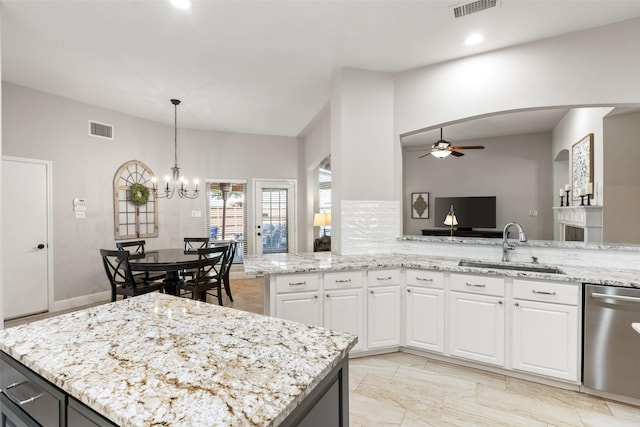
x=89, y=368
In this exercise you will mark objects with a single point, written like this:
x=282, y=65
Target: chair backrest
x=138, y=246
x=229, y=257
x=210, y=264
x=116, y=265
x=192, y=244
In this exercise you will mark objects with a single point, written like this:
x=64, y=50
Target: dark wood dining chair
x=123, y=282
x=229, y=256
x=136, y=250
x=192, y=244
x=208, y=276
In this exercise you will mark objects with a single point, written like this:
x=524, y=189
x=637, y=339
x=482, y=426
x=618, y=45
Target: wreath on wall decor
x=139, y=194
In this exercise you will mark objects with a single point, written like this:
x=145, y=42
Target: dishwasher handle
x=617, y=297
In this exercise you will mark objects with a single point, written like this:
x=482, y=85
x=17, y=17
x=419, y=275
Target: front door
x=275, y=225
x=25, y=230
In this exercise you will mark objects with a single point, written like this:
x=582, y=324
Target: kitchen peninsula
x=454, y=299
x=160, y=360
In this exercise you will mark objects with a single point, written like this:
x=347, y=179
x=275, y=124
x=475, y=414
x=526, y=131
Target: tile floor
x=405, y=390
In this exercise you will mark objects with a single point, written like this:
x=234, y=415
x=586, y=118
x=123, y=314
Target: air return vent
x=472, y=7
x=101, y=130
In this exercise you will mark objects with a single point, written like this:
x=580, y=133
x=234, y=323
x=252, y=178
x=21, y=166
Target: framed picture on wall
x=420, y=205
x=581, y=165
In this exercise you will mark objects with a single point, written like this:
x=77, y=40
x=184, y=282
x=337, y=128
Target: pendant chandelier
x=175, y=184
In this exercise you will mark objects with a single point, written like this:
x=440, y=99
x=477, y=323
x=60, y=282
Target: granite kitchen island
x=160, y=360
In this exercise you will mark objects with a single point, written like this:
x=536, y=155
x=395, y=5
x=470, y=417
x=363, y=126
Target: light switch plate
x=196, y=214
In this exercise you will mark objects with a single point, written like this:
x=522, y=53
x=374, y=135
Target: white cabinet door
x=476, y=327
x=303, y=307
x=545, y=339
x=344, y=311
x=424, y=317
x=383, y=328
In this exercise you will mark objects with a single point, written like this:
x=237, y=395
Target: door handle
x=40, y=246
x=618, y=297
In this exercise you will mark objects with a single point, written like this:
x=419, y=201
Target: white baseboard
x=70, y=303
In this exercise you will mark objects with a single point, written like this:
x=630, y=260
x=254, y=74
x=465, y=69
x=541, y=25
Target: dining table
x=171, y=261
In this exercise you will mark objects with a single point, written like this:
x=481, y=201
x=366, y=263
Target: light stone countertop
x=161, y=360
x=627, y=247
x=326, y=261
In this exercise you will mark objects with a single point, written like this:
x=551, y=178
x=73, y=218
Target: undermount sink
x=505, y=266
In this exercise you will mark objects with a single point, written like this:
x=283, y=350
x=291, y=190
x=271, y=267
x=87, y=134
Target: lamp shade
x=321, y=219
x=451, y=220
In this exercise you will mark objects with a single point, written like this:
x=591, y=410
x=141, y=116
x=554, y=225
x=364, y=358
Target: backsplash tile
x=369, y=226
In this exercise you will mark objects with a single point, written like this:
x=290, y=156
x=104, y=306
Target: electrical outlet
x=196, y=214
x=533, y=213
x=80, y=215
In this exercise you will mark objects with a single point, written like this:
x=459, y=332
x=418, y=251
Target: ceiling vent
x=101, y=130
x=472, y=7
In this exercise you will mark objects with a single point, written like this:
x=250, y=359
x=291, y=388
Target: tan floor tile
x=437, y=385
x=423, y=397
x=558, y=395
x=366, y=412
x=627, y=412
x=375, y=365
x=404, y=359
x=597, y=419
x=413, y=419
x=532, y=406
x=468, y=374
x=466, y=412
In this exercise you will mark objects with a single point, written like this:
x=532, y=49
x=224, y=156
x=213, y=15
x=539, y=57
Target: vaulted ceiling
x=253, y=66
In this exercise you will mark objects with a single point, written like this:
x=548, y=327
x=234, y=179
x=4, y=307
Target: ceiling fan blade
x=455, y=153
x=468, y=147
x=424, y=155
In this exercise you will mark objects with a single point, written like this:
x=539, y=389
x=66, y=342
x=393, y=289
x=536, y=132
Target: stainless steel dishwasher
x=611, y=347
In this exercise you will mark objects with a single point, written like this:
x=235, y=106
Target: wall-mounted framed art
x=420, y=205
x=581, y=165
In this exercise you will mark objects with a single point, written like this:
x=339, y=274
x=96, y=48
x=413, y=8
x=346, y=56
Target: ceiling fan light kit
x=442, y=149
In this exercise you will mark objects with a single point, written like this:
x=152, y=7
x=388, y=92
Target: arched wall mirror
x=525, y=162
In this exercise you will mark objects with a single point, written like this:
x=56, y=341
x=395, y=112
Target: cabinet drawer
x=477, y=284
x=545, y=291
x=383, y=277
x=431, y=279
x=30, y=393
x=343, y=279
x=296, y=282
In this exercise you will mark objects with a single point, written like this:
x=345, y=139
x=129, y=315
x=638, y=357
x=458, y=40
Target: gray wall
x=621, y=178
x=42, y=126
x=516, y=169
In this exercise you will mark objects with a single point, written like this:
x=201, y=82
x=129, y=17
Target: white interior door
x=25, y=226
x=275, y=214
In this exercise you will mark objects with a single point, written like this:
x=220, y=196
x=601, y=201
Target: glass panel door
x=275, y=213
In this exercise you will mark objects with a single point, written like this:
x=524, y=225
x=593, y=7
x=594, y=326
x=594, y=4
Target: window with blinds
x=227, y=218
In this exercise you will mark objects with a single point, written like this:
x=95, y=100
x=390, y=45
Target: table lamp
x=322, y=220
x=451, y=220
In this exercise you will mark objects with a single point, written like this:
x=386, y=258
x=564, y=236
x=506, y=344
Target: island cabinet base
x=27, y=399
x=327, y=404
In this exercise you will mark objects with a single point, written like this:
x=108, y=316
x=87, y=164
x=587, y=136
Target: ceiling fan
x=443, y=148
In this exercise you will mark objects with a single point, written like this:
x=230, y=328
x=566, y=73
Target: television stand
x=463, y=233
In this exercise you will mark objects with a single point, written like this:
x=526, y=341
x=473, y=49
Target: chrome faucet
x=505, y=242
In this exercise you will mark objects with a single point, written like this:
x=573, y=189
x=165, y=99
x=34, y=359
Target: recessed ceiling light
x=181, y=4
x=474, y=39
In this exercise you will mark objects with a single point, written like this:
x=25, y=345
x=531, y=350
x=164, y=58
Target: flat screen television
x=471, y=212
